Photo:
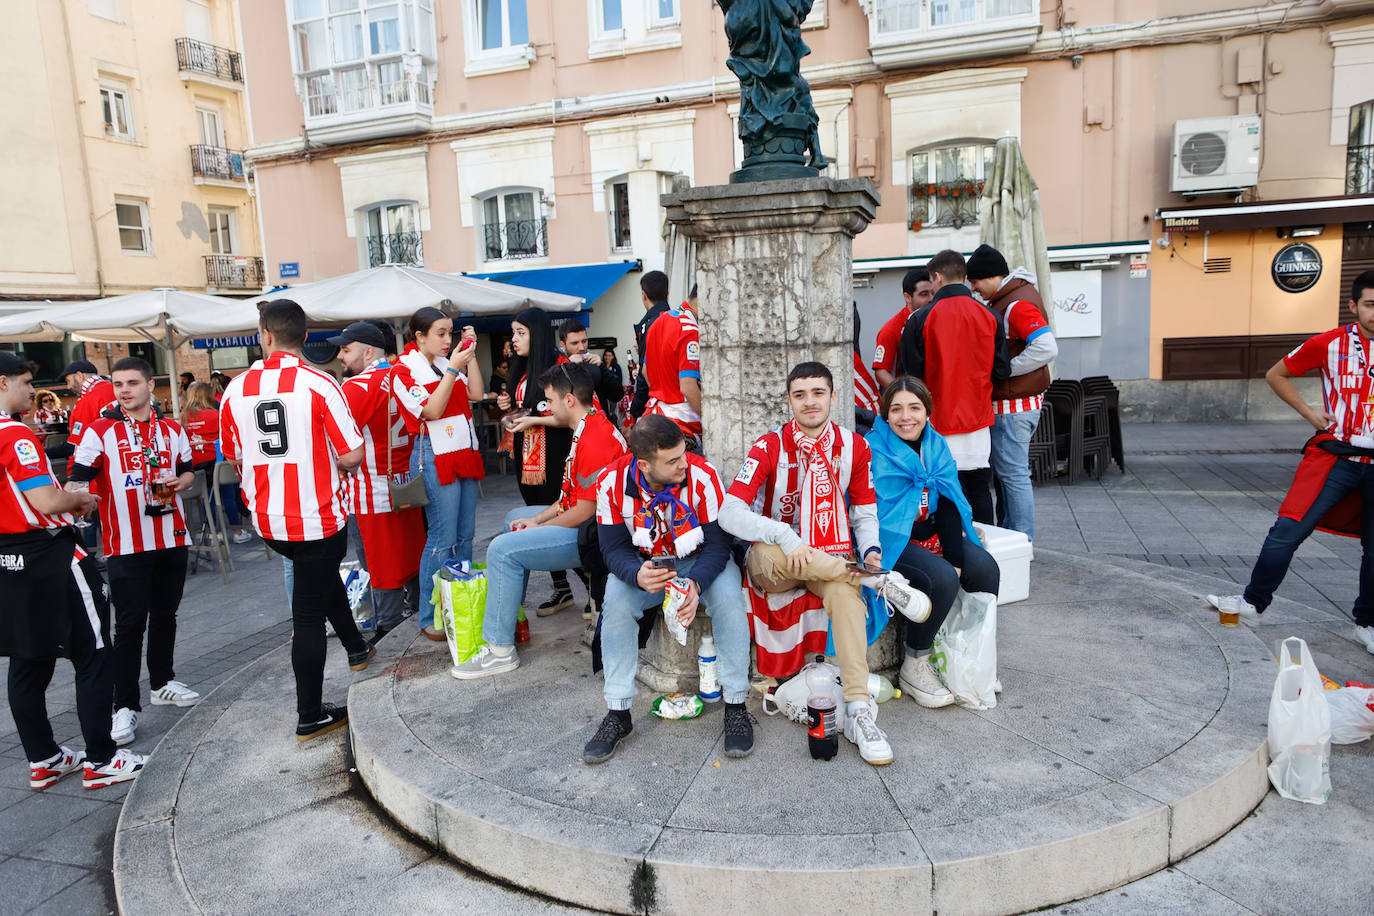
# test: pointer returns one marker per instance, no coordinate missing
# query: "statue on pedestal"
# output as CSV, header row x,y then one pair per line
x,y
777,121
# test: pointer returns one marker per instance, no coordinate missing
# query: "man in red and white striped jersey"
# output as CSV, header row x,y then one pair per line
x,y
393,539
289,425
137,463
54,603
1333,487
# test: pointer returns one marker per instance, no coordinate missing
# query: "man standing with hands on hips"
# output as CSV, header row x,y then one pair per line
x,y
54,603
138,463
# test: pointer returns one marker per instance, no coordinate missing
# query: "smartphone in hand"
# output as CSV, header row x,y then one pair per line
x,y
664,563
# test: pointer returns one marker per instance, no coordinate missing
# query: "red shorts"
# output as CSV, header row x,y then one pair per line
x,y
392,543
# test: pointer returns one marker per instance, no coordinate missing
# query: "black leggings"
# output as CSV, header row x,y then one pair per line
x,y
977,486
936,577
317,594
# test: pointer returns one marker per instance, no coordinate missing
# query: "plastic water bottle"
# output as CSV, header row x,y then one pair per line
x,y
822,733
881,689
708,684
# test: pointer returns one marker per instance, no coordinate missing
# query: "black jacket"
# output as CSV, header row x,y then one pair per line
x,y
641,398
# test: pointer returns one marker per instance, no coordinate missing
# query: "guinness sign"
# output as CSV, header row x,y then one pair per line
x,y
1296,268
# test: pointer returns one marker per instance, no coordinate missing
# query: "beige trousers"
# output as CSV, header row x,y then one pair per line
x,y
828,578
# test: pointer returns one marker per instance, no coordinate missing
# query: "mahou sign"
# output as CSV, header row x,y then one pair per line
x,y
1296,267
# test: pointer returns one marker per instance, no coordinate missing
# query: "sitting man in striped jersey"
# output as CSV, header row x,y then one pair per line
x,y
805,500
661,502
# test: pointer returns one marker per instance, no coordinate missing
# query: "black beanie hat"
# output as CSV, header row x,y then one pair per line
x,y
985,262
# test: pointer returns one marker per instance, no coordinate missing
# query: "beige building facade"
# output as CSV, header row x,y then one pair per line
x,y
126,123
494,136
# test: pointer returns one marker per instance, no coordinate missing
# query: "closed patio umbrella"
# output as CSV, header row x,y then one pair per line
x,y
1010,216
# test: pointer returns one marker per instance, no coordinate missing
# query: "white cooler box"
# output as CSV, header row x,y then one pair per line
x,y
1012,551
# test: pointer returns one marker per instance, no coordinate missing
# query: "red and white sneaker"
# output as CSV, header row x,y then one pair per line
x,y
46,772
123,766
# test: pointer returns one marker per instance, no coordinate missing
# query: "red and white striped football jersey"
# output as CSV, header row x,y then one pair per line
x,y
381,423
769,480
619,500
119,456
287,423
866,394
1346,361
23,467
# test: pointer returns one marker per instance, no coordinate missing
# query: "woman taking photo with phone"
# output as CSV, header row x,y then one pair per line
x,y
925,525
434,383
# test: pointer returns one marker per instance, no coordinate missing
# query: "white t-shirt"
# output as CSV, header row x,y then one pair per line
x,y
971,450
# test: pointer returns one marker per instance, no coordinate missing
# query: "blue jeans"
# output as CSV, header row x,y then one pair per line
x,y
626,603
1011,436
1286,534
452,519
510,557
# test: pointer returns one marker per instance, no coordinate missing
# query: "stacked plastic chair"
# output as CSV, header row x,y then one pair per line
x,y
1097,440
1102,385
1043,463
1064,399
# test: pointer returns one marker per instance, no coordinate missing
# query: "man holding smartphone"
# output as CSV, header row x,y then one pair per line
x,y
656,512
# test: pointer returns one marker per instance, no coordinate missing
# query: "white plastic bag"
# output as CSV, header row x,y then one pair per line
x,y
1352,719
1299,727
965,650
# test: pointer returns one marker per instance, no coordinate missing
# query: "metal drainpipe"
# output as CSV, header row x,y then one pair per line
x,y
81,147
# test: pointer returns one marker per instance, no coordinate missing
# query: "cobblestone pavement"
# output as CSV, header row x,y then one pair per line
x,y
1195,496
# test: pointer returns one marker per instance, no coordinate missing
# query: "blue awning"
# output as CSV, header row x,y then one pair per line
x,y
590,281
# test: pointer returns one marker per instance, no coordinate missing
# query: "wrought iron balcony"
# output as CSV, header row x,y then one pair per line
x,y
398,248
209,60
515,239
1359,169
951,204
217,162
233,271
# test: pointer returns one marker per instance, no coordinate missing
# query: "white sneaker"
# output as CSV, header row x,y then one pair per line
x,y
242,537
1235,604
897,591
861,727
122,725
920,681
1366,637
123,766
487,662
46,772
175,693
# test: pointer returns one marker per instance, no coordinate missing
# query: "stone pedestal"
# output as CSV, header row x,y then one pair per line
x,y
775,287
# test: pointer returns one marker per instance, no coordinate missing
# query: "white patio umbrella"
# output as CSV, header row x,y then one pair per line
x,y
166,317
395,291
1010,216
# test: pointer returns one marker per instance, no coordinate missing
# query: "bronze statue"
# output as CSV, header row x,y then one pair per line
x,y
777,121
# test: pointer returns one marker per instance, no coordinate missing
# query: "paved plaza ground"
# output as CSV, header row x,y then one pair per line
x,y
1197,498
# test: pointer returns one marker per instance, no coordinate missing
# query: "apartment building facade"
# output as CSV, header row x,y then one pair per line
x,y
504,136
125,166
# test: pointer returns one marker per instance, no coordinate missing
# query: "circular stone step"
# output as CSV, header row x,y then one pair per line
x,y
1131,733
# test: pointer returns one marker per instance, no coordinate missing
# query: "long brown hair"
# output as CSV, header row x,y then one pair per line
x,y
199,396
904,383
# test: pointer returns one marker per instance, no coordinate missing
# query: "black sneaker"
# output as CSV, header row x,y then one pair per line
x,y
601,748
357,661
333,717
561,598
739,731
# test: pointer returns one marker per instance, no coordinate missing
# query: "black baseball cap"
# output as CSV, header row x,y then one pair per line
x,y
12,363
363,332
80,365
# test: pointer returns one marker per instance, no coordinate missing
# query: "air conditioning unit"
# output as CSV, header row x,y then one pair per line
x,y
1212,155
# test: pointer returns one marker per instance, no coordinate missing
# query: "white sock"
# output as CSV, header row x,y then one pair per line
x,y
853,707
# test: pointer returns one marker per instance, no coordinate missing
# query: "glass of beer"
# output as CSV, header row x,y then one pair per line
x,y
164,487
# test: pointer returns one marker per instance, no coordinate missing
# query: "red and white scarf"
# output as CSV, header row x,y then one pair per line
x,y
824,518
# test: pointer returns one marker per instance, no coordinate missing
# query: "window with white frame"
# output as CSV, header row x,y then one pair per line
x,y
131,216
513,225
353,55
391,234
223,230
116,111
631,21
663,12
500,24
618,212
1359,150
946,182
893,16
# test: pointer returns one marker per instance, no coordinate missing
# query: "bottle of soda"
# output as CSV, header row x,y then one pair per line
x,y
822,736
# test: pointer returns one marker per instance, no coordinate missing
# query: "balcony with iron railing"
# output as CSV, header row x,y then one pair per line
x,y
1359,169
515,239
382,99
941,205
217,165
397,248
200,60
233,271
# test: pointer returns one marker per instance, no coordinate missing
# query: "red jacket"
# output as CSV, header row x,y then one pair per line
x,y
959,348
1317,461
